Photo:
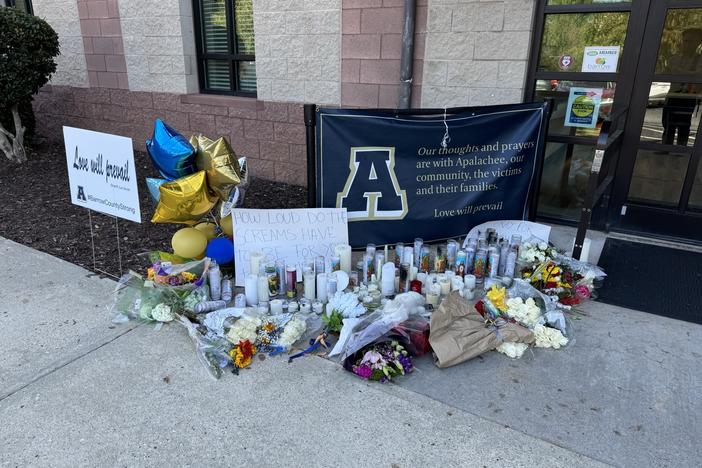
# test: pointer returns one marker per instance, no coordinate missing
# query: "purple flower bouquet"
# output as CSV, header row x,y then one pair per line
x,y
381,361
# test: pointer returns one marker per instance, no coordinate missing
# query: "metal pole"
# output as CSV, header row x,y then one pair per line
x,y
407,54
310,121
534,202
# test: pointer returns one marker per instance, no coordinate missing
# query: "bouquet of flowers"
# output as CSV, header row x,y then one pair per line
x,y
532,252
242,354
382,362
341,306
183,277
558,280
268,334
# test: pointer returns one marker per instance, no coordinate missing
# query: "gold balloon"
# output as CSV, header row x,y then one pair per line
x,y
189,243
208,229
227,226
220,163
184,201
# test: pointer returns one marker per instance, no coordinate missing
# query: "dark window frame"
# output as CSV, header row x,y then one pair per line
x,y
231,56
623,89
28,7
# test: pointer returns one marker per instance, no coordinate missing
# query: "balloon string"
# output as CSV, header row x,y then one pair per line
x,y
447,138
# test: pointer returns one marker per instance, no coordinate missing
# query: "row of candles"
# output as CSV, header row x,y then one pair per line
x,y
385,273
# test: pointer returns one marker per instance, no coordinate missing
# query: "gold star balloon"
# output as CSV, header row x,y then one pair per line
x,y
218,160
184,201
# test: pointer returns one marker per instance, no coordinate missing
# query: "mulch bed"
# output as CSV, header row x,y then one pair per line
x,y
36,211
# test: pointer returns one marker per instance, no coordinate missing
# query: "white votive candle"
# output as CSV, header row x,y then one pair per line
x,y
262,283
469,281
251,289
432,298
256,258
310,285
445,285
276,306
322,287
344,253
387,281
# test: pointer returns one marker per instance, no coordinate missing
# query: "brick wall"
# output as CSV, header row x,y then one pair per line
x,y
297,50
270,134
62,15
476,52
102,42
370,52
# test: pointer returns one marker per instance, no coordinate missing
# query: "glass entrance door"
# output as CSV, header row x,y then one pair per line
x,y
659,179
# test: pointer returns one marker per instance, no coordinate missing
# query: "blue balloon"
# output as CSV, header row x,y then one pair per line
x,y
220,250
153,185
171,153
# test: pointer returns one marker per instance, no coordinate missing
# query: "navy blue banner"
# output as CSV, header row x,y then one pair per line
x,y
429,176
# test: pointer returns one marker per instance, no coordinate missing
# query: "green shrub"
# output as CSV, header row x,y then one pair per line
x,y
28,46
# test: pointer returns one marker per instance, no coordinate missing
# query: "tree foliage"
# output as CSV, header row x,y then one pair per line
x,y
28,46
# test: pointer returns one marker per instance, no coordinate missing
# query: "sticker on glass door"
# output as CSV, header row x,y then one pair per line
x,y
598,59
583,107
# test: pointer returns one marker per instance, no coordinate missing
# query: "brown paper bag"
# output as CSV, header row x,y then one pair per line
x,y
459,333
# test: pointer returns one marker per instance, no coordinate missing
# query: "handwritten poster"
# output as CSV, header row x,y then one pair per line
x,y
291,235
101,172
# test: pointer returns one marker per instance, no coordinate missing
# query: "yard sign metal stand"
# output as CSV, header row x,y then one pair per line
x,y
92,244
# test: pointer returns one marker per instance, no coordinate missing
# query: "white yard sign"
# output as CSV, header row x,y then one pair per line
x,y
101,172
291,235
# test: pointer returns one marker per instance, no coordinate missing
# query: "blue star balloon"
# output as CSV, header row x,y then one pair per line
x,y
153,185
170,152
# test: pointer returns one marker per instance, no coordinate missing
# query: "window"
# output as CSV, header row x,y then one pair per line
x,y
24,5
225,46
564,29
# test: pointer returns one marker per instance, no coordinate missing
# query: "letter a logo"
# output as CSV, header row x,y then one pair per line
x,y
372,191
81,194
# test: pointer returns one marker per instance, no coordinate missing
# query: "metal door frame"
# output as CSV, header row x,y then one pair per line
x,y
624,78
658,220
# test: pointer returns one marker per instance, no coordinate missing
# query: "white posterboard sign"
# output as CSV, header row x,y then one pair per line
x,y
101,172
598,59
507,228
291,235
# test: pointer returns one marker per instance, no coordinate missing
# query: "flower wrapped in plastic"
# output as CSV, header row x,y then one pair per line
x,y
380,362
167,285
536,251
361,331
342,306
213,354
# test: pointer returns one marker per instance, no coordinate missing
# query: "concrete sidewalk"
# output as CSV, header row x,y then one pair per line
x,y
77,391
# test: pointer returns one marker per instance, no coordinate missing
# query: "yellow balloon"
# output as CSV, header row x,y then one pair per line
x,y
208,229
226,225
185,200
189,243
219,161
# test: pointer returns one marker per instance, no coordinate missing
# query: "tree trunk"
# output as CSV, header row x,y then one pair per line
x,y
13,145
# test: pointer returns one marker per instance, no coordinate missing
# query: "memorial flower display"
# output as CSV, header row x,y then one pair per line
x,y
382,362
531,252
375,318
